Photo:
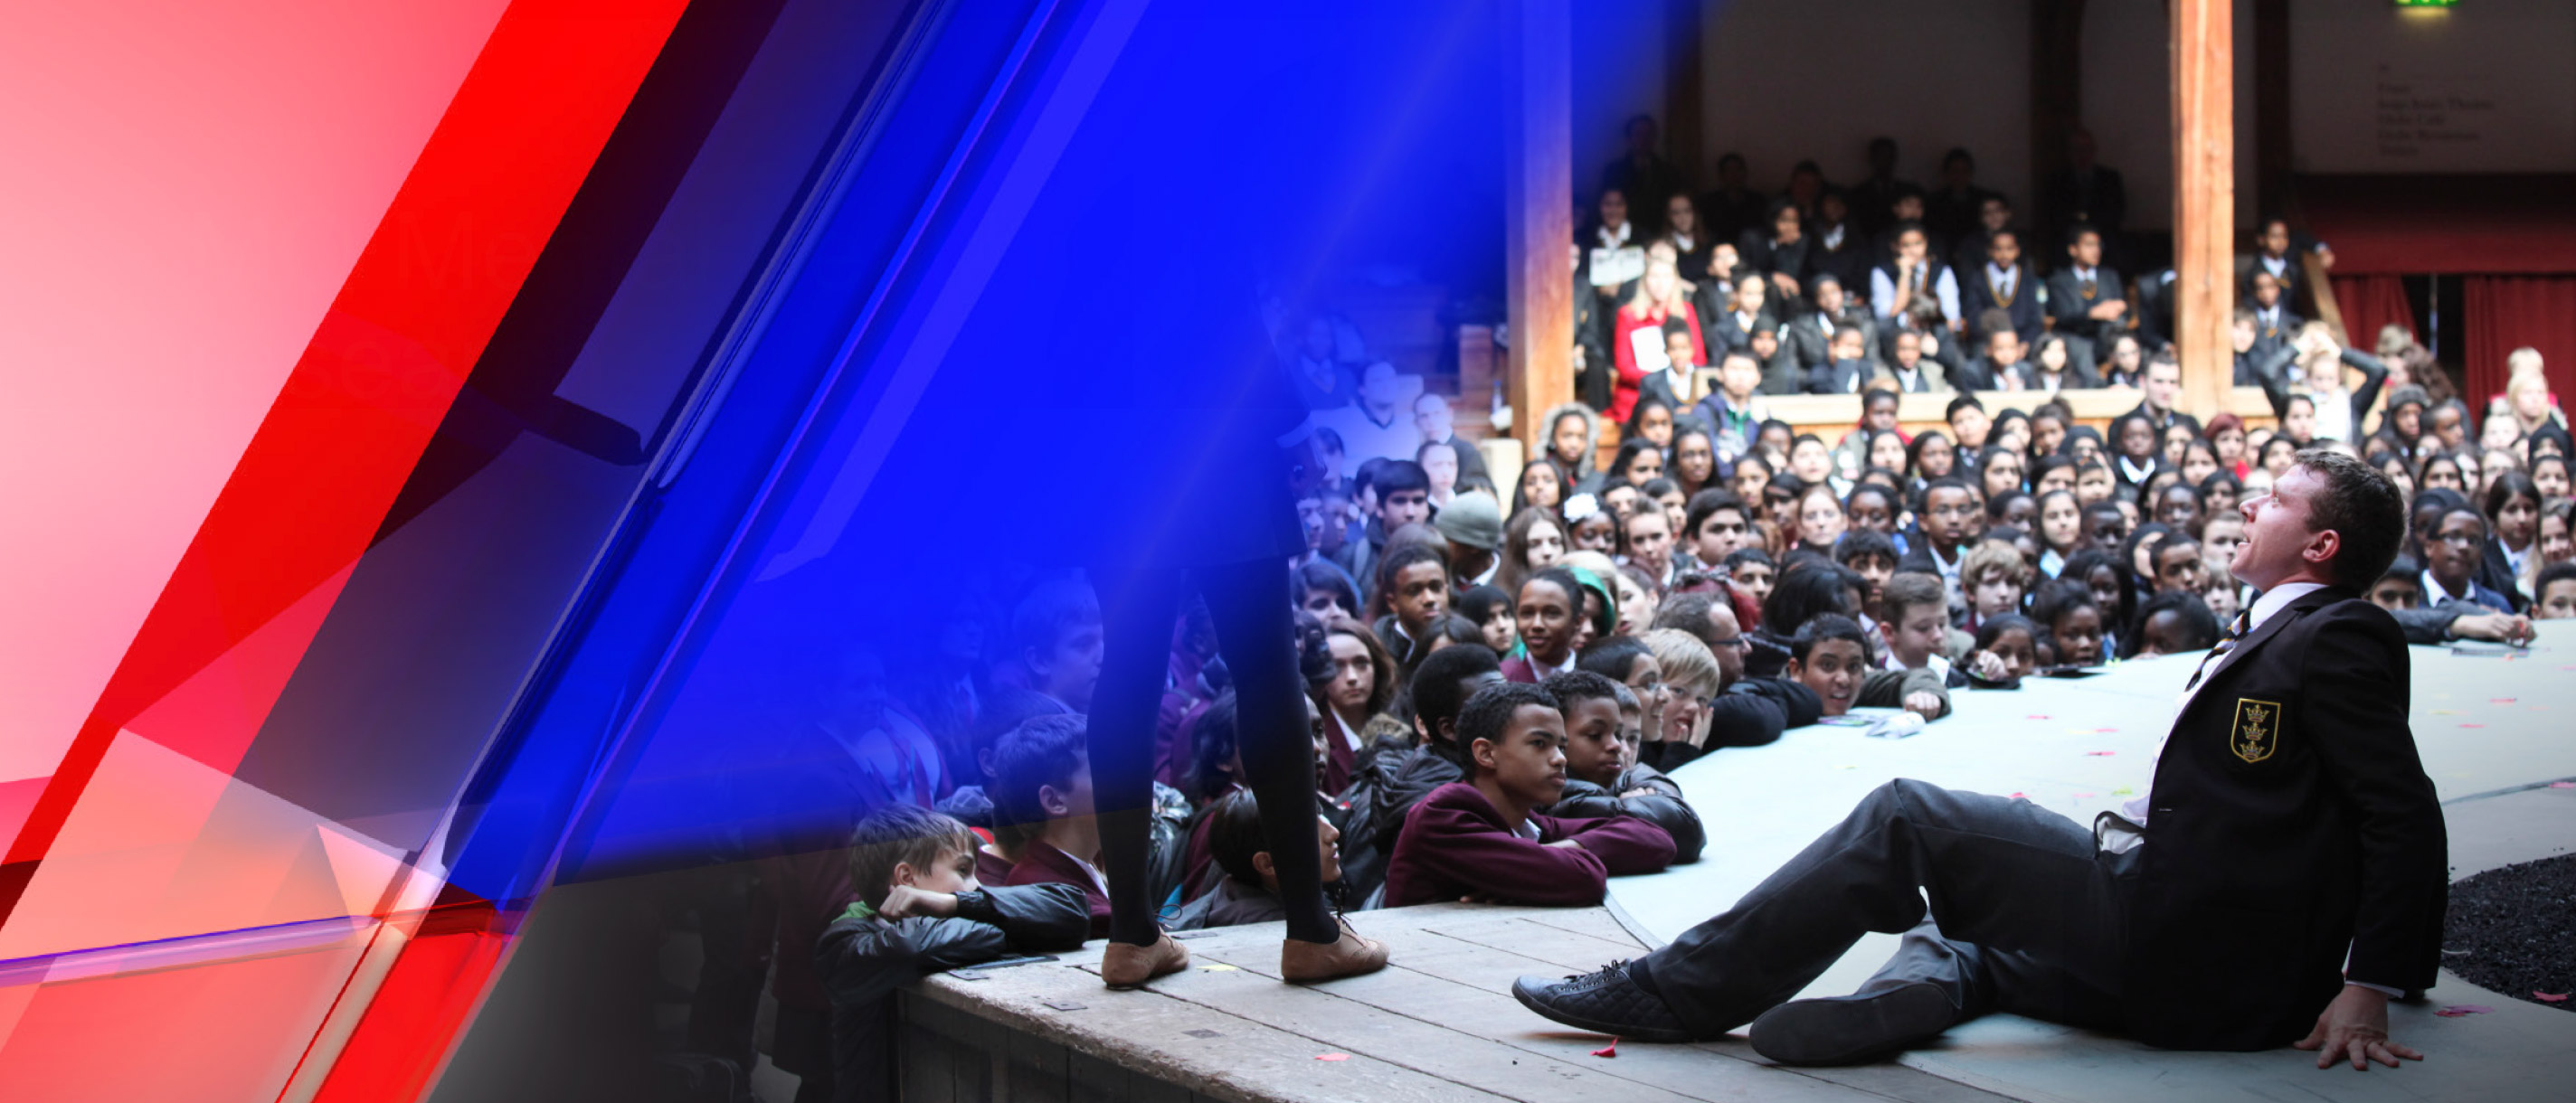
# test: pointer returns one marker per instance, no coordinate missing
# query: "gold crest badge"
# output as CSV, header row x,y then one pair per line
x,y
2258,729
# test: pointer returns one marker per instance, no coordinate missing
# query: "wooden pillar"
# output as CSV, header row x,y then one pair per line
x,y
2204,199
1685,143
1538,212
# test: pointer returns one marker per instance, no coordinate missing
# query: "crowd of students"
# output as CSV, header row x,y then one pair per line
x,y
1502,677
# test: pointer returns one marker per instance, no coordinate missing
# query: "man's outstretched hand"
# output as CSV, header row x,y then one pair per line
x,y
2355,1025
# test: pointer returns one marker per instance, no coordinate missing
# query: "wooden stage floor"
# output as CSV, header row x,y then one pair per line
x,y
1438,1024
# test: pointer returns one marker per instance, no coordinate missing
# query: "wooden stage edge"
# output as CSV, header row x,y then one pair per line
x,y
1438,1024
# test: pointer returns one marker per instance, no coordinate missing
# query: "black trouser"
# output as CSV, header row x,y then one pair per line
x,y
2026,915
1256,634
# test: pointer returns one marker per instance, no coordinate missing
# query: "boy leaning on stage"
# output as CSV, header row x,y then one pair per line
x,y
921,912
1479,838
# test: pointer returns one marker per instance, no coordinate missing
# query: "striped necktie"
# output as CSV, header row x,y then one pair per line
x,y
2236,630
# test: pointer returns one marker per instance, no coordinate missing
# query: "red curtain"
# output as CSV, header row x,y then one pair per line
x,y
2508,312
2369,302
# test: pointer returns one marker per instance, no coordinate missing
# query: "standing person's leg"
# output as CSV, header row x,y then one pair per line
x,y
2003,874
1257,635
1136,609
1250,605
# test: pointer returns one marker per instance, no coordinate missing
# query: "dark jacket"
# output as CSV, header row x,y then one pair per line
x,y
1976,298
1664,807
2068,306
862,960
1454,844
2266,365
1396,779
2290,823
1230,904
1840,377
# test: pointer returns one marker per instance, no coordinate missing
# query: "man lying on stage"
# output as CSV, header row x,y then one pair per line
x,y
2289,824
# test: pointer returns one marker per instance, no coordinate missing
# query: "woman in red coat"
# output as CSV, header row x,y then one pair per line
x,y
1658,298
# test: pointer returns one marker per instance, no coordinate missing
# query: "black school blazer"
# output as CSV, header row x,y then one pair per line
x,y
2291,821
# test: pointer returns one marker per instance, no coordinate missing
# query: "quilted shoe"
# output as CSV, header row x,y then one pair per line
x,y
1607,1001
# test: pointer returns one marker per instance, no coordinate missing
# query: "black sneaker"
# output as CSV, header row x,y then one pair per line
x,y
1853,1030
1605,1002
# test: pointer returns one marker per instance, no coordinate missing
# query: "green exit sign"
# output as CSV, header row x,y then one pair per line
x,y
2428,3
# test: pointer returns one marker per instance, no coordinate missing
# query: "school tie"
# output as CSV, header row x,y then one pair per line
x,y
2236,630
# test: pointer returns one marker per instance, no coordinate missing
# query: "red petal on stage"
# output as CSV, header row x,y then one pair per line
x,y
1612,1050
1332,1057
2549,997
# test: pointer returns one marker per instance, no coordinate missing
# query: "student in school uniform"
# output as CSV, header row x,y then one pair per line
x,y
920,910
1042,779
2086,300
1249,891
1397,778
1603,776
1482,838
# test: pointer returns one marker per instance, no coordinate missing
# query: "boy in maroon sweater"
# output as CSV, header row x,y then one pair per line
x,y
1479,840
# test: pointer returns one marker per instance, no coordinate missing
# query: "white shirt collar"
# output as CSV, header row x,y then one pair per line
x,y
2434,593
1528,829
1348,736
2278,598
2083,274
2001,275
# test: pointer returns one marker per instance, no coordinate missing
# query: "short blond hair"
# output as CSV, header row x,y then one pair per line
x,y
2522,361
1685,660
1993,557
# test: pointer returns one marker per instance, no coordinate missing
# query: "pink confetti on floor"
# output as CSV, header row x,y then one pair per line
x,y
2563,785
1612,1050
2034,716
2458,1009
2083,796
2099,754
1332,1057
2500,700
2018,796
2472,725
2548,997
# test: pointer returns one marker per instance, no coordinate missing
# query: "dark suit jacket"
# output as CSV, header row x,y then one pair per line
x,y
1723,332
1849,264
1975,298
1975,375
1654,385
2067,305
1840,377
2291,277
2266,366
2283,327
2290,822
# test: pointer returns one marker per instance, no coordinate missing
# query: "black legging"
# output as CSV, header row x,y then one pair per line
x,y
1255,633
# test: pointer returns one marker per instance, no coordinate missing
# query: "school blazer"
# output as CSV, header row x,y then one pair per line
x,y
2290,822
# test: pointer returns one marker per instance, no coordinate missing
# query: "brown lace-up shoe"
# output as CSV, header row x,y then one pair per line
x,y
1302,962
1125,965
